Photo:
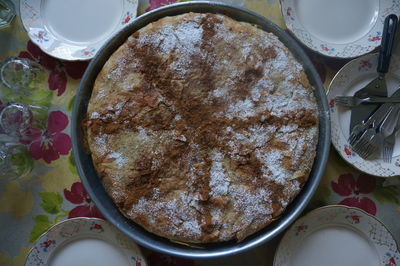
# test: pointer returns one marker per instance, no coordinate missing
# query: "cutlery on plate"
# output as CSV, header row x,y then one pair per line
x,y
372,121
388,143
351,101
377,87
370,142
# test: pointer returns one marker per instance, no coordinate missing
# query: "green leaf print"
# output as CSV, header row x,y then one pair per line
x,y
387,194
51,202
70,104
37,97
22,161
42,223
71,163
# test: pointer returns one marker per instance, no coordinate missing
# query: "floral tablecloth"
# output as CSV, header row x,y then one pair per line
x,y
53,192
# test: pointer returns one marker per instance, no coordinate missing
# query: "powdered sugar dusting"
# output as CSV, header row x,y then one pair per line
x,y
272,168
143,133
95,115
185,38
119,159
219,182
257,135
174,211
242,109
251,204
251,87
277,90
101,144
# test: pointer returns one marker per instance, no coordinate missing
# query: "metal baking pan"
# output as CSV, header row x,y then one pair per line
x,y
103,201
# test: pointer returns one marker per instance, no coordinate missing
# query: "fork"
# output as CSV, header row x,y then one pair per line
x,y
371,141
388,143
372,122
351,101
366,144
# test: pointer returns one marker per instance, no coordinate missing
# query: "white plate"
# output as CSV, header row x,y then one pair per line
x,y
74,29
337,235
84,241
350,78
339,28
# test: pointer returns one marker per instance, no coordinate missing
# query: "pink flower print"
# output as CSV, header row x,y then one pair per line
x,y
154,4
51,142
47,244
137,261
78,195
41,36
376,37
301,229
88,52
332,103
96,227
353,219
347,150
326,48
127,18
364,65
289,13
348,187
58,69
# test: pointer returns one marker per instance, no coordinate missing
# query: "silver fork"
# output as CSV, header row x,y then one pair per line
x,y
365,145
371,141
388,143
372,122
351,101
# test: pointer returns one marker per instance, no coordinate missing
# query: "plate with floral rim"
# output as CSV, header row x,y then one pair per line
x,y
88,241
358,31
350,78
339,234
74,29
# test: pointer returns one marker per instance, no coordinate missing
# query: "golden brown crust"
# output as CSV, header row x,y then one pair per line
x,y
202,128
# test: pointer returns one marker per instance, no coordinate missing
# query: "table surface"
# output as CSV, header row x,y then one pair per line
x,y
53,191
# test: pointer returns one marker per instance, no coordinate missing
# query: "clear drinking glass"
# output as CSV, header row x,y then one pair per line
x,y
7,13
20,120
15,161
21,75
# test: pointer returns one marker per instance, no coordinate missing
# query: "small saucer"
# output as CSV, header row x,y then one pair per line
x,y
74,29
350,78
340,28
84,241
340,235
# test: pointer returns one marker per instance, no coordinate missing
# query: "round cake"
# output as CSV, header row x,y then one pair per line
x,y
202,128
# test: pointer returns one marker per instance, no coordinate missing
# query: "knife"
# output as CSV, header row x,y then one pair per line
x,y
377,87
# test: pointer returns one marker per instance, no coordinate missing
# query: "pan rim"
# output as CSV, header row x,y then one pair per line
x,y
101,199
